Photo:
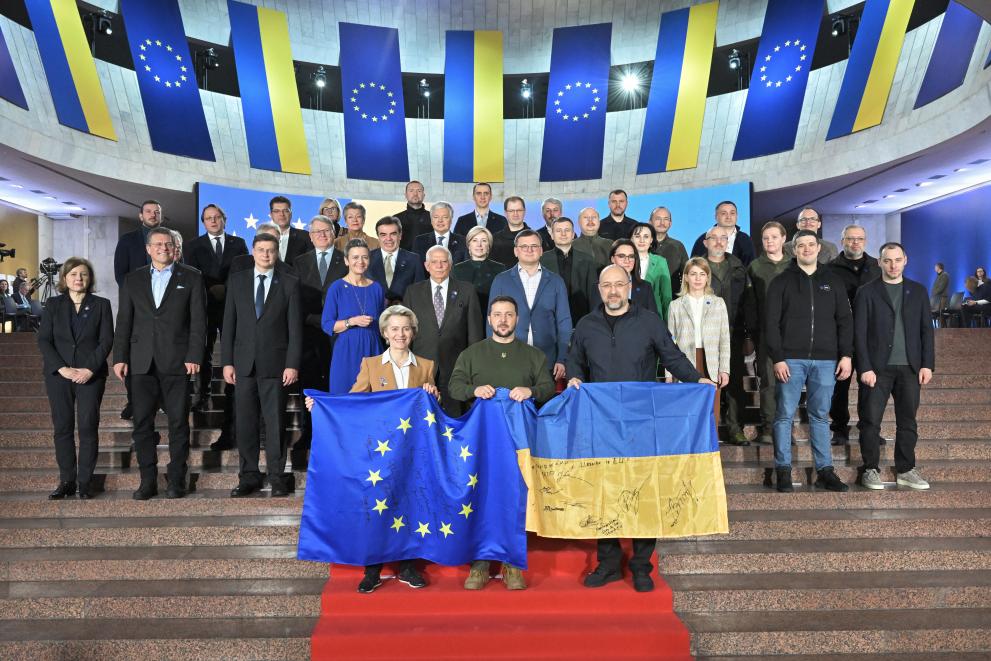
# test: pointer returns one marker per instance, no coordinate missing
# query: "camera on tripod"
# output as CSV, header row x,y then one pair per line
x,y
6,253
49,270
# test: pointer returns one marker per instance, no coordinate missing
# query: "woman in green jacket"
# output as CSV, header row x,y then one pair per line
x,y
653,268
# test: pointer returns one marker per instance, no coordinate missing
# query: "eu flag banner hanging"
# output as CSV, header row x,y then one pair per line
x,y
273,121
473,121
391,477
10,86
626,460
575,120
374,117
779,78
871,67
166,78
952,53
673,126
69,67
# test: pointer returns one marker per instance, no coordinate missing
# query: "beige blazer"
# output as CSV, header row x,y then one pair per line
x,y
375,376
715,332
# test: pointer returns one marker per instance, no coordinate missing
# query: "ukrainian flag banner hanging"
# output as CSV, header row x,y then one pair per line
x,y
626,460
273,121
166,78
871,67
10,86
391,477
575,118
952,53
473,121
69,67
673,127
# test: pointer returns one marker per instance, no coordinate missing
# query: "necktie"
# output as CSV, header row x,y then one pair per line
x,y
388,270
439,306
260,297
218,249
323,266
440,240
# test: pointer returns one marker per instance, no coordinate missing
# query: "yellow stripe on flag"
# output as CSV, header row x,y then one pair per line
x,y
488,131
83,69
686,133
889,48
286,114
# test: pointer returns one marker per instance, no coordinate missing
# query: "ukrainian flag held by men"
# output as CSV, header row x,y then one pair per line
x,y
673,127
273,121
952,53
69,67
473,120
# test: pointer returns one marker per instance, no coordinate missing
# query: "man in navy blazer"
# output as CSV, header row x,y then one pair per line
x,y
743,247
405,267
481,214
542,297
292,241
441,214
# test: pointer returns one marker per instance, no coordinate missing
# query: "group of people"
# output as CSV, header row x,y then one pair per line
x,y
976,307
15,302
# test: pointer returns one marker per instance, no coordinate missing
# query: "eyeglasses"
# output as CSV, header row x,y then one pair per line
x,y
718,239
808,220
624,256
855,239
321,232
528,246
327,210
168,246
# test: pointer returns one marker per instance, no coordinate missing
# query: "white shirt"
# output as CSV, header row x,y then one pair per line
x,y
695,306
159,282
213,241
284,242
481,220
730,240
644,263
330,255
387,255
443,290
530,285
268,282
447,239
400,372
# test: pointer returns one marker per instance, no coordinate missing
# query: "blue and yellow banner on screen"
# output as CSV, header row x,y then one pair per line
x,y
166,78
952,53
473,121
69,67
871,67
575,120
374,117
673,126
273,121
10,86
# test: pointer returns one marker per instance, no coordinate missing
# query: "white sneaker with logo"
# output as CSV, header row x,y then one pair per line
x,y
912,480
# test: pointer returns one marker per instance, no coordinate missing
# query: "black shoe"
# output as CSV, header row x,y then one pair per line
x,y
279,489
884,441
201,405
601,576
299,459
783,475
84,491
829,481
127,413
369,582
642,582
62,490
175,491
411,577
225,442
145,491
242,490
840,438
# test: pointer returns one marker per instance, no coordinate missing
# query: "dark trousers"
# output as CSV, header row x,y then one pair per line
x,y
265,395
734,397
171,390
970,313
768,384
314,373
67,400
901,382
839,409
205,377
610,554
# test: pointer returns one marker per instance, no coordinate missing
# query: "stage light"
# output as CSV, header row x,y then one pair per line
x,y
208,58
320,77
526,90
104,23
734,59
839,25
630,83
424,88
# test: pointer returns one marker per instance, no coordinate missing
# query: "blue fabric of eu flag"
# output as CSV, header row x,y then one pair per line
x,y
10,87
392,477
166,78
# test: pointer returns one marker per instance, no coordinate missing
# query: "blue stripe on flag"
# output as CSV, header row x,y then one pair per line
x,y
459,106
68,107
664,84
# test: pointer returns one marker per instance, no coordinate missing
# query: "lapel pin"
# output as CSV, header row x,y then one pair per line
x,y
383,381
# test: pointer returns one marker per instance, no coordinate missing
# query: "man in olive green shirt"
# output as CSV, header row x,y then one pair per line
x,y
590,242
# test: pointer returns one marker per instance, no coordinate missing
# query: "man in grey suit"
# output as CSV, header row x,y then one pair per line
x,y
939,295
450,320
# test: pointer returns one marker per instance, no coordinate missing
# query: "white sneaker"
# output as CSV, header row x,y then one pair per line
x,y
871,479
912,480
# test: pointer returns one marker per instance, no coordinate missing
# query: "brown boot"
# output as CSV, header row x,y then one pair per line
x,y
478,576
513,577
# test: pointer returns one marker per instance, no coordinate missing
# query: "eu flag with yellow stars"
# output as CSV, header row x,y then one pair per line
x,y
392,477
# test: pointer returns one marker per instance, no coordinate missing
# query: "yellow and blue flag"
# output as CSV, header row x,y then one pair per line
x,y
10,86
374,118
779,78
952,53
273,121
166,78
392,477
473,121
673,127
69,67
871,67
575,119
626,460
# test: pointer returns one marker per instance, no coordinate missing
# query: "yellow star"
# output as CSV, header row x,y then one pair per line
x,y
446,529
373,477
464,452
158,42
404,424
430,414
383,447
448,433
466,510
472,480
424,529
397,523
380,506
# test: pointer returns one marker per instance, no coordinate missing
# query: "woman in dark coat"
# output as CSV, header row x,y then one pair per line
x,y
478,269
624,253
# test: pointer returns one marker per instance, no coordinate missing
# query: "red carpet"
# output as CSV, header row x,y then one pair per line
x,y
555,618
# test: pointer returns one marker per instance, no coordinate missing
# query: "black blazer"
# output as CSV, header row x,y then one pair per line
x,y
199,253
262,346
743,249
874,321
456,242
172,334
462,323
299,242
494,223
130,255
407,270
312,292
90,350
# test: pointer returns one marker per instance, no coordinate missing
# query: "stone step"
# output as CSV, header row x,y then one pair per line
x,y
945,470
954,494
36,388
851,524
948,429
925,449
111,420
112,436
125,479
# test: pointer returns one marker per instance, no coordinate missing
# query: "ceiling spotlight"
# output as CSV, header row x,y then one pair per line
x,y
923,184
424,88
630,83
839,24
526,90
104,23
960,170
208,59
889,196
734,59
320,77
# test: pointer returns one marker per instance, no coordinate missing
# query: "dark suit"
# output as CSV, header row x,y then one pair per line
x,y
155,343
83,341
493,223
743,248
583,284
414,222
612,230
299,242
406,269
260,349
546,240
461,327
455,243
503,246
130,254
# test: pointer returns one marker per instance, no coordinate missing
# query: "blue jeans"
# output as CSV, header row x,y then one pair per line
x,y
818,376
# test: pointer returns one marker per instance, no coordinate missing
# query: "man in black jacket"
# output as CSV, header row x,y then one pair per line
x,y
809,331
739,243
292,241
415,218
622,342
895,356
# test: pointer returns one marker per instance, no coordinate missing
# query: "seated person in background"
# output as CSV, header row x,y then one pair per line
x,y
979,273
979,301
22,301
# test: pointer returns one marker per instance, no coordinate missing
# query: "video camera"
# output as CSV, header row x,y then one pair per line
x,y
49,266
6,253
